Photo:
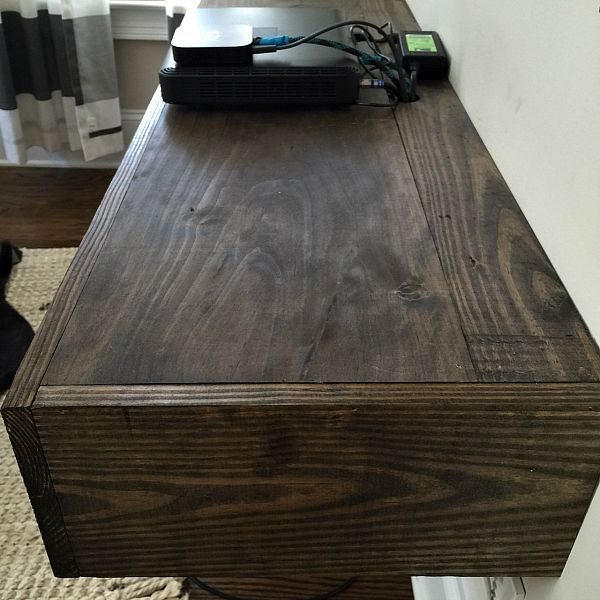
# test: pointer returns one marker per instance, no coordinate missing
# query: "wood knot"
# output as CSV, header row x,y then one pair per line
x,y
551,295
411,291
474,262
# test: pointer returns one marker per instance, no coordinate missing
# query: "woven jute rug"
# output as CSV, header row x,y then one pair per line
x,y
24,570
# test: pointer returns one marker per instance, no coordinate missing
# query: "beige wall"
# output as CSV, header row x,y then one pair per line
x,y
138,63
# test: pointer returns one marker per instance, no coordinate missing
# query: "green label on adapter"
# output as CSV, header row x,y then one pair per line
x,y
418,42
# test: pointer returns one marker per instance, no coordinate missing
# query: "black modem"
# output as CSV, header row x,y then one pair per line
x,y
212,62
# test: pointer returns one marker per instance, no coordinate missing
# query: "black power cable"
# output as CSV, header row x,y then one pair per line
x,y
339,25
373,45
219,594
404,88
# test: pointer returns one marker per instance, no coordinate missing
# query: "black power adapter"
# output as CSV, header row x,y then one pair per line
x,y
424,53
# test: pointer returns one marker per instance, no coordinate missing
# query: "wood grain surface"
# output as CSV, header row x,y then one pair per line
x,y
277,246
36,476
16,407
266,252
456,479
304,588
520,322
291,246
49,207
40,352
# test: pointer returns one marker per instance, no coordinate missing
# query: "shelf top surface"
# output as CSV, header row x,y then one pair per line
x,y
317,245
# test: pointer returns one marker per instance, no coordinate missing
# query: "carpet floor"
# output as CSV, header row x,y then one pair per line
x,y
24,570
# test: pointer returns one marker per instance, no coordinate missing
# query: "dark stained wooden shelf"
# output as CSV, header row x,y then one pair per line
x,y
49,207
320,342
302,588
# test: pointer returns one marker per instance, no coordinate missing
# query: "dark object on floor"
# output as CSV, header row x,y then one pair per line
x,y
15,332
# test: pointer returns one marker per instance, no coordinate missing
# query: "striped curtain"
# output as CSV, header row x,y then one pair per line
x,y
58,84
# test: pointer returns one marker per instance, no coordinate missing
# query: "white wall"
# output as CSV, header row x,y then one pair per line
x,y
528,73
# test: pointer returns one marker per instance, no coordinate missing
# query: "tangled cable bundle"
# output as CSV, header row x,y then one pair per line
x,y
400,85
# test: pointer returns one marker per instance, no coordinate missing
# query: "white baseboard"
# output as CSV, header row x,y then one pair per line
x,y
138,20
451,588
63,164
468,588
74,160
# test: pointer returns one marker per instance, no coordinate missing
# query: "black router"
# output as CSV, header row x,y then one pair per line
x,y
212,60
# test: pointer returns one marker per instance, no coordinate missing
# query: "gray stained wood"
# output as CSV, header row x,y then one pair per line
x,y
303,588
38,481
311,341
35,363
309,246
519,321
49,207
351,479
16,410
278,246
